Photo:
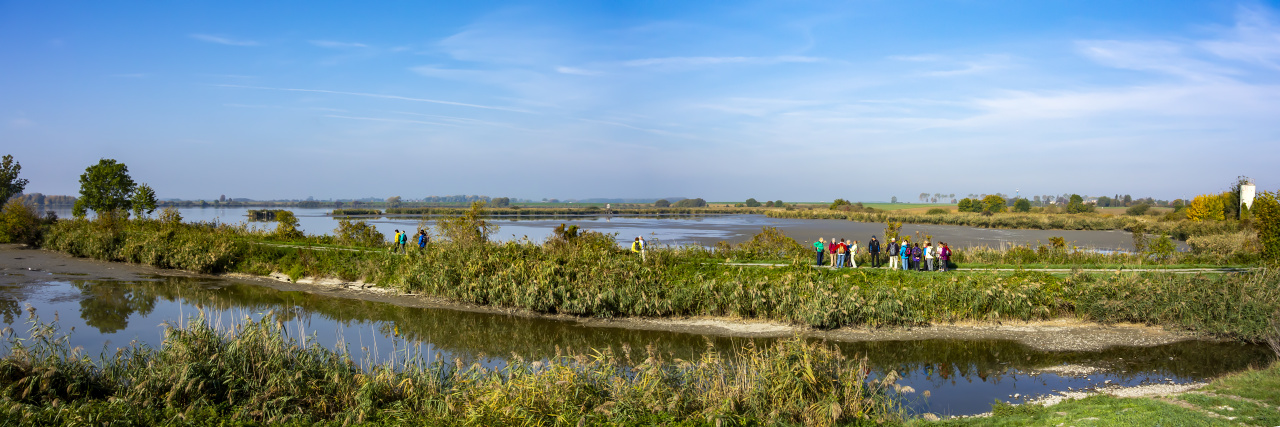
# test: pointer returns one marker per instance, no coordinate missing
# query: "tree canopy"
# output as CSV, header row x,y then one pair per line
x,y
104,187
10,184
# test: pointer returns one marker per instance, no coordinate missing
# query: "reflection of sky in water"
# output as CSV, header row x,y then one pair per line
x,y
96,333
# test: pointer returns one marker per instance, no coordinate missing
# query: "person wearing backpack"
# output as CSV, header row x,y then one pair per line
x,y
915,256
905,253
404,238
422,239
842,253
893,253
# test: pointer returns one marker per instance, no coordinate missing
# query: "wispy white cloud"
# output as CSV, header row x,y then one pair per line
x,y
380,119
644,129
463,120
383,96
223,40
1158,56
1254,39
577,71
693,61
916,58
336,45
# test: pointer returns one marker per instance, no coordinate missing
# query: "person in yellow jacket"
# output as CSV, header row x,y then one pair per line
x,y
638,247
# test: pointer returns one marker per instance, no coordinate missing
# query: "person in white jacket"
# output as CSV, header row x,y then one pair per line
x,y
853,251
928,256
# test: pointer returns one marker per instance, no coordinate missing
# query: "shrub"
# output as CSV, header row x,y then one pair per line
x,y
936,211
287,225
358,233
1266,214
1226,246
19,223
662,203
1022,205
1137,210
691,203
993,203
468,228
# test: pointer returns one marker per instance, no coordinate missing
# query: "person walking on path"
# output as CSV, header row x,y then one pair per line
x,y
842,252
395,241
404,239
944,257
873,248
893,253
422,239
819,247
928,256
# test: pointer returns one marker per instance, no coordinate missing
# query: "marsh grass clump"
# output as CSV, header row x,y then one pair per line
x,y
256,373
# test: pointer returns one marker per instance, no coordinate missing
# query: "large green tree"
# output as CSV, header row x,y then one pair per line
x,y
105,188
10,184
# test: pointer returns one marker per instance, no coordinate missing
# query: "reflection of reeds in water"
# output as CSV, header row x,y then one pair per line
x,y
255,372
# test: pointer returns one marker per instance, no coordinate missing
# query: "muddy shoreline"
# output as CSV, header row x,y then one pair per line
x,y
21,265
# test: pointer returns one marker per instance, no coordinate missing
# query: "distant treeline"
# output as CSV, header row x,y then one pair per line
x,y
43,202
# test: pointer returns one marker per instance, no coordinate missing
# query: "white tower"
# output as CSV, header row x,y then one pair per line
x,y
1247,192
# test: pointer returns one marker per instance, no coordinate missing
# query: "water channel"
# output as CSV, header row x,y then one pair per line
x,y
104,306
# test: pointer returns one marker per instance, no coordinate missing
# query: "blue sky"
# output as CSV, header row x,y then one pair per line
x,y
792,100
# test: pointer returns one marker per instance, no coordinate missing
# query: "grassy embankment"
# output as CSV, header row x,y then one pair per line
x,y
258,373
588,275
1250,398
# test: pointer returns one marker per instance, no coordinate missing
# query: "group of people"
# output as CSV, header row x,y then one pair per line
x,y
637,246
401,239
905,256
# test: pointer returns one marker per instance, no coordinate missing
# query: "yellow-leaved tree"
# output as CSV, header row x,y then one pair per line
x,y
1206,207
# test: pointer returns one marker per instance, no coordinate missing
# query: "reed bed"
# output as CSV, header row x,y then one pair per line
x,y
590,275
1036,221
257,373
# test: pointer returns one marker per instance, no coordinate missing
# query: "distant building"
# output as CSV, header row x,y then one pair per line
x,y
1247,193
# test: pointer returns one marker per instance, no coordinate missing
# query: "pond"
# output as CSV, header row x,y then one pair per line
x,y
104,306
702,230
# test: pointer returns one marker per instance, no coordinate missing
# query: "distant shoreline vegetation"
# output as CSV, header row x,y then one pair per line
x,y
536,211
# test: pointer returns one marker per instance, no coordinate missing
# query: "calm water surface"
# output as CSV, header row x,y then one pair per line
x,y
963,376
